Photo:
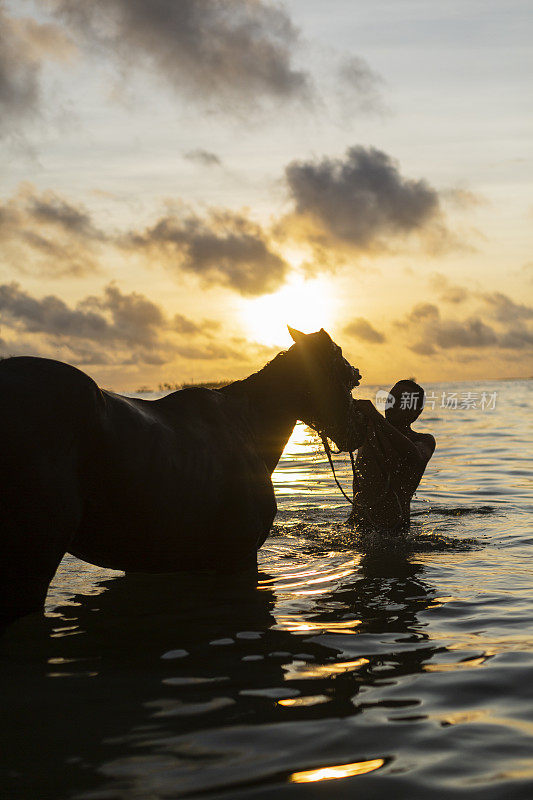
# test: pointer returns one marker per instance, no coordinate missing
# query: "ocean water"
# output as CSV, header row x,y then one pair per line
x,y
354,668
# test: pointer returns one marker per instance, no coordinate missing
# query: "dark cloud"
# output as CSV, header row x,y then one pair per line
x,y
47,234
222,50
472,332
204,157
183,325
517,337
423,348
111,328
360,201
226,249
432,333
130,320
206,327
134,318
51,209
24,46
423,312
502,308
360,328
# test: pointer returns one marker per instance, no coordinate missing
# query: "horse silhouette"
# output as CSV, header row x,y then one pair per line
x,y
179,483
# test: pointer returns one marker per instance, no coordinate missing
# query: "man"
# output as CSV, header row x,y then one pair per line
x,y
391,462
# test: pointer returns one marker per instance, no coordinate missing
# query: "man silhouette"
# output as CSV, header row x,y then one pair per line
x,y
391,462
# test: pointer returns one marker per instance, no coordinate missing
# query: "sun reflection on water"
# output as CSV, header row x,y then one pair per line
x,y
299,670
345,626
338,771
309,700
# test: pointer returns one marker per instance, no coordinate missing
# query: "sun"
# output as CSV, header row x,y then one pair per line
x,y
305,304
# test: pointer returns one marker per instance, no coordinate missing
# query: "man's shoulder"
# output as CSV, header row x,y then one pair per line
x,y
425,444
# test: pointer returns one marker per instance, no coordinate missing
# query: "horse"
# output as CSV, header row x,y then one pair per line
x,y
178,483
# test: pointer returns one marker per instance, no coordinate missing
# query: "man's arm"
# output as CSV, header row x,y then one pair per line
x,y
401,444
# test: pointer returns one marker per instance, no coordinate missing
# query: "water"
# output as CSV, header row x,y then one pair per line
x,y
356,668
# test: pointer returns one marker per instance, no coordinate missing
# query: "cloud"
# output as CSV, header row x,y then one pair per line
x,y
229,51
498,305
112,319
360,328
114,328
361,201
430,332
183,325
226,249
204,157
135,320
502,308
25,45
51,209
359,86
517,337
472,332
48,235
446,291
360,204
423,348
425,312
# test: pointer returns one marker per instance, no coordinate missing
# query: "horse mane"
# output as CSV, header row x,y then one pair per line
x,y
257,379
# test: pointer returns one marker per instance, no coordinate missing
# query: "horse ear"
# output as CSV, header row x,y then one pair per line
x,y
296,336
325,335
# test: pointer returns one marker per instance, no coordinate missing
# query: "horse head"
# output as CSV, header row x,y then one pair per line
x,y
323,385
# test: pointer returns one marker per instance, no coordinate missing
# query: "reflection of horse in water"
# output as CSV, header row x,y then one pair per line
x,y
112,691
179,483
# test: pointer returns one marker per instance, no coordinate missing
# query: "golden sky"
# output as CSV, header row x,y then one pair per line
x,y
182,179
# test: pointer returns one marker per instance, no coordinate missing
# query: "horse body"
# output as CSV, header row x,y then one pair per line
x,y
174,484
183,482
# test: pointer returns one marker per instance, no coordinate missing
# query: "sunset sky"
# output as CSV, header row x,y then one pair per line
x,y
180,178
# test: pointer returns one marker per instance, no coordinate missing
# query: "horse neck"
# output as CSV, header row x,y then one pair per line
x,y
271,407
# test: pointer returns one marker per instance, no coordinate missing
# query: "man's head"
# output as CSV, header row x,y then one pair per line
x,y
405,404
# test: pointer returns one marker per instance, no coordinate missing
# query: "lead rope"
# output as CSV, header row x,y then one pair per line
x,y
328,453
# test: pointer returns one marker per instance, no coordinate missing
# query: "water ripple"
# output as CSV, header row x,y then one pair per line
x,y
355,664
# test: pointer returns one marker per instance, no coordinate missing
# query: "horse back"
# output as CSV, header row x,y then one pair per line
x,y
47,409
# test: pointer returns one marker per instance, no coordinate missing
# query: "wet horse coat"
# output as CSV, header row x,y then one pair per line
x,y
183,482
